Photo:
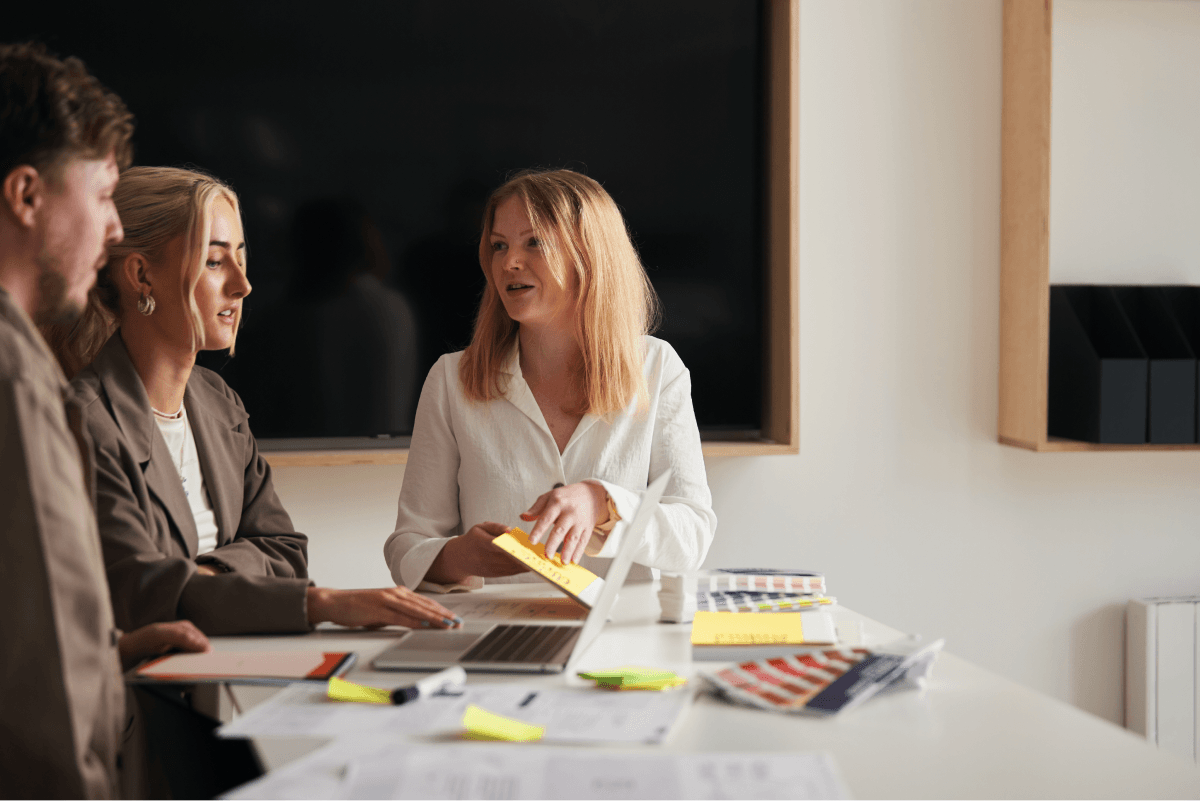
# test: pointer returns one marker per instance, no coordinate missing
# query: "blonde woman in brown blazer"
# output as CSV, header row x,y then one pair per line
x,y
175,287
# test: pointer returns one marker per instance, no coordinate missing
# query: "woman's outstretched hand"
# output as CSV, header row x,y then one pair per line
x,y
158,638
389,606
566,517
473,554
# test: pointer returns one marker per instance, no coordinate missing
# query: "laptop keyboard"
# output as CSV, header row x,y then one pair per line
x,y
520,644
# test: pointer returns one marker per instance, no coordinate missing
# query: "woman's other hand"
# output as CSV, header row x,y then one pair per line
x,y
473,554
158,638
389,606
566,517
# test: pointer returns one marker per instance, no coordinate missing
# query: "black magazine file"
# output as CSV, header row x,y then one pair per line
x,y
1171,402
1098,382
1183,304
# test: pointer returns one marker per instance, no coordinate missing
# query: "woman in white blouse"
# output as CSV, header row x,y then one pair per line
x,y
560,412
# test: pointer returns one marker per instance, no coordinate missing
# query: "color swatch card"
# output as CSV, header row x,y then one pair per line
x,y
577,582
823,682
785,683
760,579
747,601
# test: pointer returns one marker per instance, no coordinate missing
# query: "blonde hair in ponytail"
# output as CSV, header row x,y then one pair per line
x,y
583,233
156,205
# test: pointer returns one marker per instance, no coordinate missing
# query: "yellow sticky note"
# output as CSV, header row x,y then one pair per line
x,y
479,724
342,690
578,582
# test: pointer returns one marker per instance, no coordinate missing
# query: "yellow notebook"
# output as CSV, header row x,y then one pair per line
x,y
733,628
577,582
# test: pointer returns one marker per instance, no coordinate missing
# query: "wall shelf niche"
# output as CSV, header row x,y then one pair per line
x,y
1025,236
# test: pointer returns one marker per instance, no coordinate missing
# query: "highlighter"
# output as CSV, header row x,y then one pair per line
x,y
450,677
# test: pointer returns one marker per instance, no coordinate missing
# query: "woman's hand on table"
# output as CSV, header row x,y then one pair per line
x,y
473,554
158,638
566,517
388,606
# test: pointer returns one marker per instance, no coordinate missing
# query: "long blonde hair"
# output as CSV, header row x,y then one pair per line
x,y
583,233
156,205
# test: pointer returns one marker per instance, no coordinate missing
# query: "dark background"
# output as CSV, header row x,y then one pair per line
x,y
364,137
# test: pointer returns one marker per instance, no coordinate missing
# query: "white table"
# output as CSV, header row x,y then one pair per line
x,y
971,734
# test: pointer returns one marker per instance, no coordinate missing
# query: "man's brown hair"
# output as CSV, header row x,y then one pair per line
x,y
51,109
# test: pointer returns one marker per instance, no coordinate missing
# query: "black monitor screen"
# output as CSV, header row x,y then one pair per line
x,y
364,137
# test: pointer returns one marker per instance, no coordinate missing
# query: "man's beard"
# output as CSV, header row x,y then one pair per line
x,y
54,306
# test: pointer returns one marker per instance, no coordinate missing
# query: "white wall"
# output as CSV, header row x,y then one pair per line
x,y
900,493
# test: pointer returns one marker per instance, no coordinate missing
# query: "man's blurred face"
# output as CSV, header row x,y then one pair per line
x,y
79,222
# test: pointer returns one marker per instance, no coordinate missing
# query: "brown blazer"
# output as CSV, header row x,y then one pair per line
x,y
61,698
146,526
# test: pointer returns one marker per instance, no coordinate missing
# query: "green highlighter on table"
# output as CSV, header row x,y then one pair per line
x,y
527,648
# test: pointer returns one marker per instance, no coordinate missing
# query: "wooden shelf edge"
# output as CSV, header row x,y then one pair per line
x,y
1055,445
1019,443
714,450
279,459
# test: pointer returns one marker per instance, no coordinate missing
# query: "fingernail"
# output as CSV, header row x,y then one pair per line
x,y
458,619
425,623
448,621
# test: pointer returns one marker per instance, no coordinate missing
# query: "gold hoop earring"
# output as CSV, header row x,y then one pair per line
x,y
146,304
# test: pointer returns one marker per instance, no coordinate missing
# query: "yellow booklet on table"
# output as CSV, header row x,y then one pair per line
x,y
740,636
579,583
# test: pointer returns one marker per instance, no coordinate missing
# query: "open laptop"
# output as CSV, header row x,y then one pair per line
x,y
524,648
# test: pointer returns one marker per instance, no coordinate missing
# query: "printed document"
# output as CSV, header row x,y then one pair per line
x,y
574,715
393,768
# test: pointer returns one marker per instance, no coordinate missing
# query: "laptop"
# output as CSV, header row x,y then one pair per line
x,y
524,648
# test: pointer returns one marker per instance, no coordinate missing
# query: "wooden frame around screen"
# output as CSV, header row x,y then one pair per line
x,y
781,358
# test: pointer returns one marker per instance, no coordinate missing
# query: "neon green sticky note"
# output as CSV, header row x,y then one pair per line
x,y
342,690
659,685
628,675
479,724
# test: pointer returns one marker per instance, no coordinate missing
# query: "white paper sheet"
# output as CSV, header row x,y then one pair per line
x,y
582,715
391,768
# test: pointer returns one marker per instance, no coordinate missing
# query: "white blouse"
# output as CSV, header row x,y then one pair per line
x,y
472,462
181,444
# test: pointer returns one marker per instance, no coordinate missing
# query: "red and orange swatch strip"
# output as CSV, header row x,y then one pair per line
x,y
787,683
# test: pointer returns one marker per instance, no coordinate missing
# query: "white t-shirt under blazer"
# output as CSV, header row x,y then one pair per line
x,y
471,462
